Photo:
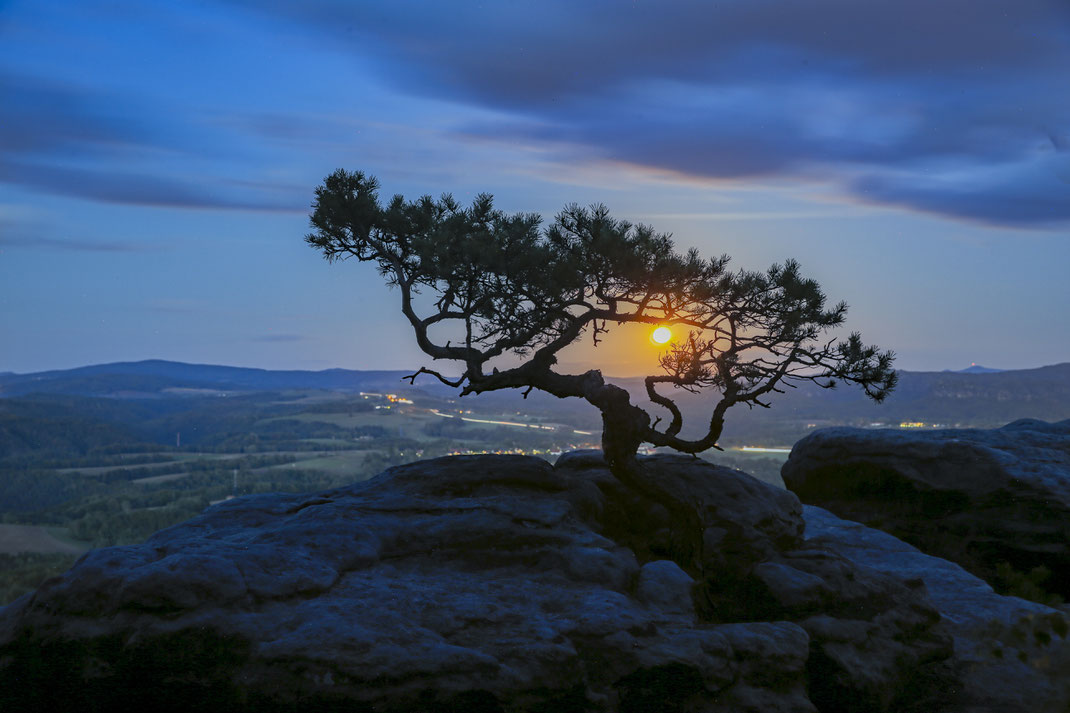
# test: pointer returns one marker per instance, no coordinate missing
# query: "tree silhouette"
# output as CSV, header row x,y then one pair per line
x,y
510,288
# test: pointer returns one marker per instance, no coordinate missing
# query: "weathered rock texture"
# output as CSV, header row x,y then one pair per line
x,y
991,500
1011,655
488,583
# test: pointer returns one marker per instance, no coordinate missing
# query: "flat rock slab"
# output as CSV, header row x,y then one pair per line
x,y
995,501
478,583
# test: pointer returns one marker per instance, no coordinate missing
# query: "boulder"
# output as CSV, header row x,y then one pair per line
x,y
1010,655
873,638
479,583
995,501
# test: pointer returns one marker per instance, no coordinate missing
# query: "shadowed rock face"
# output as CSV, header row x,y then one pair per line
x,y
479,583
1011,655
985,499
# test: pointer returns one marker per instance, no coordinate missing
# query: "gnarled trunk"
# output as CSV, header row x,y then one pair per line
x,y
623,426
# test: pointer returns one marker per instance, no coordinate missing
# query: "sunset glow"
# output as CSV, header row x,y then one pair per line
x,y
661,335
742,128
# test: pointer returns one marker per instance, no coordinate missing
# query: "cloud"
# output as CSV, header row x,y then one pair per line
x,y
39,116
66,140
76,245
16,233
128,188
868,95
530,52
1024,194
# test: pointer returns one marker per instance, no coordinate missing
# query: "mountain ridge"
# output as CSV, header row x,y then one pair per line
x,y
944,398
161,373
331,379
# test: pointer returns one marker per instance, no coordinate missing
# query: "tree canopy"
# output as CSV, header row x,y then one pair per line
x,y
511,287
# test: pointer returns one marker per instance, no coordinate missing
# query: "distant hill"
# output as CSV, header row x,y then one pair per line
x,y
970,399
973,399
146,379
977,369
993,398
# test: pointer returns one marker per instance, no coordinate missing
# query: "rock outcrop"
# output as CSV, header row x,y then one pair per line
x,y
485,583
1011,655
995,501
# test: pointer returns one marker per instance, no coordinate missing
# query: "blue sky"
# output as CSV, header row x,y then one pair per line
x,y
158,159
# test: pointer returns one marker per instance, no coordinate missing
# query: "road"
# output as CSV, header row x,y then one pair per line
x,y
515,424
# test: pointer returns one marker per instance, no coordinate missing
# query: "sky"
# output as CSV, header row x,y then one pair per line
x,y
158,161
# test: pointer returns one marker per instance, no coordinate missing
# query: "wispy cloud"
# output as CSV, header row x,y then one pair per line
x,y
116,186
32,234
75,245
65,139
49,117
751,215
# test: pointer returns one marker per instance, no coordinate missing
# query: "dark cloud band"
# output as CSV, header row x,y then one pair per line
x,y
822,89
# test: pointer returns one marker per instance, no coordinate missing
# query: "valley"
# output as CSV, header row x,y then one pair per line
x,y
107,455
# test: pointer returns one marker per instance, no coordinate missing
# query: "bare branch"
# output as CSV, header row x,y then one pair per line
x,y
424,370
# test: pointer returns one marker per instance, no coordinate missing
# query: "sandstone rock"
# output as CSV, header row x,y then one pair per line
x,y
985,499
663,584
876,641
484,583
1010,655
792,588
738,520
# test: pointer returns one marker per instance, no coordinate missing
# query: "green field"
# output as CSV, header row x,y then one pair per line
x,y
38,539
338,463
95,490
177,458
154,479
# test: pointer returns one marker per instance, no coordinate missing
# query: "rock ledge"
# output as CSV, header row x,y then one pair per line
x,y
480,583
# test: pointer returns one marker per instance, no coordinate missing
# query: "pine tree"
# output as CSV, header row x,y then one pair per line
x,y
509,287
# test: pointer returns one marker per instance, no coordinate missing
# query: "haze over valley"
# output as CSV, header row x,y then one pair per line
x,y
107,454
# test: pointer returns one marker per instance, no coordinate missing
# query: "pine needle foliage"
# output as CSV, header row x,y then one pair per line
x,y
503,285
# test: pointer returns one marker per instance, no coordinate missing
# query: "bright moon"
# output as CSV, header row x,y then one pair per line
x,y
661,335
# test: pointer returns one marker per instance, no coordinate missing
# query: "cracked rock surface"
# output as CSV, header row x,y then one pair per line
x,y
482,584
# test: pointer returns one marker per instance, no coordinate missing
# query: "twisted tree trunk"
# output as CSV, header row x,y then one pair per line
x,y
623,426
